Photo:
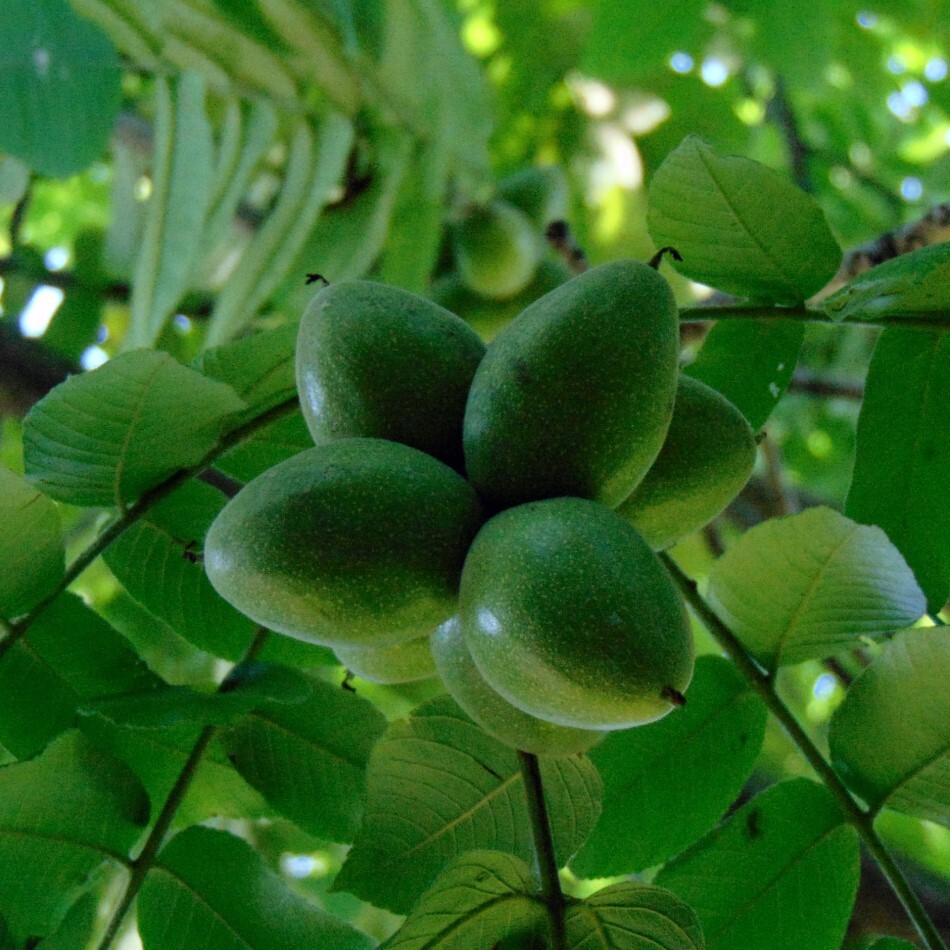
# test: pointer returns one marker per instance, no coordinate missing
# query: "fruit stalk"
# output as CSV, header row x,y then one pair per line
x,y
855,814
544,848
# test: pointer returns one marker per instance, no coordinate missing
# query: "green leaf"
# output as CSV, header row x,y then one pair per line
x,y
740,226
260,367
348,238
161,417
438,786
59,87
14,180
651,809
314,168
171,705
890,739
69,657
804,587
911,285
416,229
211,890
32,557
780,874
309,759
750,362
258,128
157,757
149,560
903,453
269,445
630,916
182,182
480,897
63,815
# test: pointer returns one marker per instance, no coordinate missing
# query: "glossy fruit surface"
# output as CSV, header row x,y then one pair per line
x,y
540,191
572,618
399,663
574,397
492,712
359,541
379,362
497,249
705,461
487,317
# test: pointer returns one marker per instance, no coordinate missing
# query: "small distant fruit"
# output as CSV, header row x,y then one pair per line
x,y
497,250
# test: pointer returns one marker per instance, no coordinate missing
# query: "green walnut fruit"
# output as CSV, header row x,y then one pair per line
x,y
574,397
356,542
540,191
487,317
493,713
399,663
378,362
497,250
571,617
705,461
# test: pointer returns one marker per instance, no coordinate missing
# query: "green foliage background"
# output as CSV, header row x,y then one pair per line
x,y
171,171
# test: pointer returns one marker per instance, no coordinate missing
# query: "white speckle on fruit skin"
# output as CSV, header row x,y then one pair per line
x,y
775,390
488,622
41,60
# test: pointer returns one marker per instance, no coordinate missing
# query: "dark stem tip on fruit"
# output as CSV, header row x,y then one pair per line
x,y
558,234
347,683
313,278
654,261
673,696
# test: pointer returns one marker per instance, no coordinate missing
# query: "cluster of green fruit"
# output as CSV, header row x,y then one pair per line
x,y
492,515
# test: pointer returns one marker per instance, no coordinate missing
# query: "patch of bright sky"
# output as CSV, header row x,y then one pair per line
x,y
935,69
911,188
56,258
714,71
866,19
681,62
93,357
39,310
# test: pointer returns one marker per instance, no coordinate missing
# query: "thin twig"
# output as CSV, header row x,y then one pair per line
x,y
141,865
921,321
544,848
860,818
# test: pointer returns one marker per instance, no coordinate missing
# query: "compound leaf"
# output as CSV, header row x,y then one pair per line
x,y
32,556
62,816
807,586
903,453
59,87
668,783
740,226
438,786
477,900
105,437
308,759
630,916
210,889
890,738
780,874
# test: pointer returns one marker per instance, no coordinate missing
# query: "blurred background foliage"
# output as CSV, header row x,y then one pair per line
x,y
440,104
